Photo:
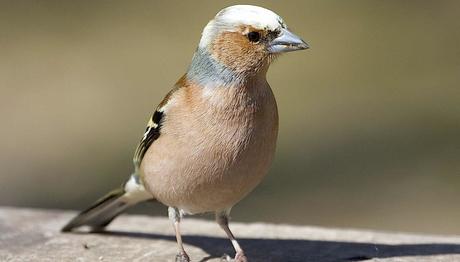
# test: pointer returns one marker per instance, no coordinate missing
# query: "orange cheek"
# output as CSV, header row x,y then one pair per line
x,y
235,51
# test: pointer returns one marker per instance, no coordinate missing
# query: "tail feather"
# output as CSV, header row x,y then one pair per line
x,y
101,213
104,210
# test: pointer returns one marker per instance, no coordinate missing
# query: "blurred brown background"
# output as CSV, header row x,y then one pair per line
x,y
370,115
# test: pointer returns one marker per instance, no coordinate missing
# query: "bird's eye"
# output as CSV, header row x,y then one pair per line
x,y
254,36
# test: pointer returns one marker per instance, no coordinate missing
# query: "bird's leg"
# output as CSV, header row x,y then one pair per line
x,y
222,219
175,217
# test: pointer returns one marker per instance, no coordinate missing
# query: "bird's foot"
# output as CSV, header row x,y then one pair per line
x,y
182,257
240,257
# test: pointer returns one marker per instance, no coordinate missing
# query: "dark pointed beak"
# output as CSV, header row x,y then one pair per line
x,y
287,42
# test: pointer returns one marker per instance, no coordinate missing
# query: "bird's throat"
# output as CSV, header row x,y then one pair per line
x,y
207,71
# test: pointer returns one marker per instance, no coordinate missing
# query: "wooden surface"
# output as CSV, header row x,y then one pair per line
x,y
33,235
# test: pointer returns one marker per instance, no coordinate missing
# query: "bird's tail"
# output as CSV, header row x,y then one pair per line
x,y
103,211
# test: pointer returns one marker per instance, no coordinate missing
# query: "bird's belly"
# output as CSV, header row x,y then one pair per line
x,y
211,171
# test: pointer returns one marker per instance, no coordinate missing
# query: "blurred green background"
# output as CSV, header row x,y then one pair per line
x,y
369,116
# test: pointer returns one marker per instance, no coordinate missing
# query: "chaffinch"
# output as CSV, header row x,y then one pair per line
x,y
212,138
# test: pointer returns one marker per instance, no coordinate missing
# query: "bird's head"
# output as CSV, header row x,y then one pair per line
x,y
244,39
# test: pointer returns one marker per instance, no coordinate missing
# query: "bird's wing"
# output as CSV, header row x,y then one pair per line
x,y
153,130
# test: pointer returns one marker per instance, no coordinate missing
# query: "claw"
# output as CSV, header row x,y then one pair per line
x,y
240,257
182,257
226,257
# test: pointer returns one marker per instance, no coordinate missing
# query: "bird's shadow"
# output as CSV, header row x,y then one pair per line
x,y
299,250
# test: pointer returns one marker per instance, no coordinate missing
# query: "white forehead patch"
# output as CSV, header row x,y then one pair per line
x,y
233,16
254,16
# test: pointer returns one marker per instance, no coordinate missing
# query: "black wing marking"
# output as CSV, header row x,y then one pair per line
x,y
152,132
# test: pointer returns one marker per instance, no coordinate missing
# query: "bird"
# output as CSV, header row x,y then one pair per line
x,y
212,139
